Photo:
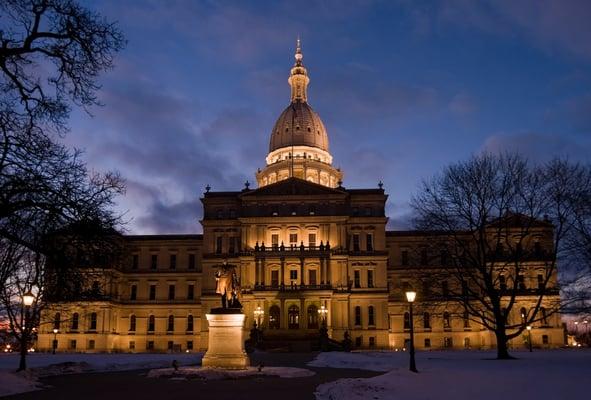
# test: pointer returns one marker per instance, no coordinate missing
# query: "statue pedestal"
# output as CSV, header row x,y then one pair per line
x,y
226,341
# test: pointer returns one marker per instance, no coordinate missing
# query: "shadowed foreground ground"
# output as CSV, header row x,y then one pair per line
x,y
133,385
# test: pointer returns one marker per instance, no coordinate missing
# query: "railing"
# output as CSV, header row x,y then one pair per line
x,y
293,288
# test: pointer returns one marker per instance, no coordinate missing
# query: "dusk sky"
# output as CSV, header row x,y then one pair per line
x,y
403,87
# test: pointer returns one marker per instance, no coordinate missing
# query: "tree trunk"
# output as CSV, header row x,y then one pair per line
x,y
502,349
23,351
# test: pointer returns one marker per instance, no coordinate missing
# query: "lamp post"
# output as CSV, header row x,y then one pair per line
x,y
529,337
28,299
323,312
54,344
259,314
410,297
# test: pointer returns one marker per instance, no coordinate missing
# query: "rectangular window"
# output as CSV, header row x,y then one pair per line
x,y
171,290
150,345
190,292
275,278
275,241
170,345
190,345
427,343
91,344
521,282
404,258
371,320
312,240
424,258
293,274
357,278
370,278
356,242
372,341
93,322
218,245
133,293
540,281
131,345
545,339
72,345
293,239
312,277
152,295
135,262
154,263
173,261
369,242
191,261
448,342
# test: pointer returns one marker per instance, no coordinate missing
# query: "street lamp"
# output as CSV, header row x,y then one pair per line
x,y
323,311
54,345
410,297
28,299
529,337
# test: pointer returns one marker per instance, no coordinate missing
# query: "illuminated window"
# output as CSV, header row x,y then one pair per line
x,y
274,317
312,240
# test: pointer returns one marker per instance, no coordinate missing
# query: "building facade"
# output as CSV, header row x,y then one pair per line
x,y
308,251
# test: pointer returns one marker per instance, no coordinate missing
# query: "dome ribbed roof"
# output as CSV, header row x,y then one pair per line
x,y
298,125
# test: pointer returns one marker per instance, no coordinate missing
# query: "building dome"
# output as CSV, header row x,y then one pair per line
x,y
298,125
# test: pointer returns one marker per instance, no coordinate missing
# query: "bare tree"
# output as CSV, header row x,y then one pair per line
x,y
51,54
496,221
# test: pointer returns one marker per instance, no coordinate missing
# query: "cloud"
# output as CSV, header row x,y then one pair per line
x,y
540,147
462,104
551,25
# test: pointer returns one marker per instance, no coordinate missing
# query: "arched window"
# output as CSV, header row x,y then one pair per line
x,y
357,316
312,317
293,317
426,320
57,320
406,320
93,321
523,314
371,319
190,323
544,319
151,323
446,320
75,319
170,326
132,323
274,317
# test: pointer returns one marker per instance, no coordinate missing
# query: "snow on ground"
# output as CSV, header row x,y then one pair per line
x,y
218,374
43,364
552,374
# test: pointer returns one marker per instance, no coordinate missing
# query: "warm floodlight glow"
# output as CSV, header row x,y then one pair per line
x,y
529,328
411,296
28,299
55,330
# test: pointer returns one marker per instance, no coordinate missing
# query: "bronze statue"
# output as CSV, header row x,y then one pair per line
x,y
228,286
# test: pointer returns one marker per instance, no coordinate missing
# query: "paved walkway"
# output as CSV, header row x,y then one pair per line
x,y
133,385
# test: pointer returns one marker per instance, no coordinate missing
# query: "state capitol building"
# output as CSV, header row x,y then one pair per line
x,y
307,251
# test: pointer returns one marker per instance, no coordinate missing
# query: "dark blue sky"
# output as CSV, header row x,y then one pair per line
x,y
403,87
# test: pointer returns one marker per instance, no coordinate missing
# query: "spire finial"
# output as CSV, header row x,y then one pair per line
x,y
298,53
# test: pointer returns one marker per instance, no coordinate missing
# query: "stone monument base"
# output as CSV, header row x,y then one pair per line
x,y
226,340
